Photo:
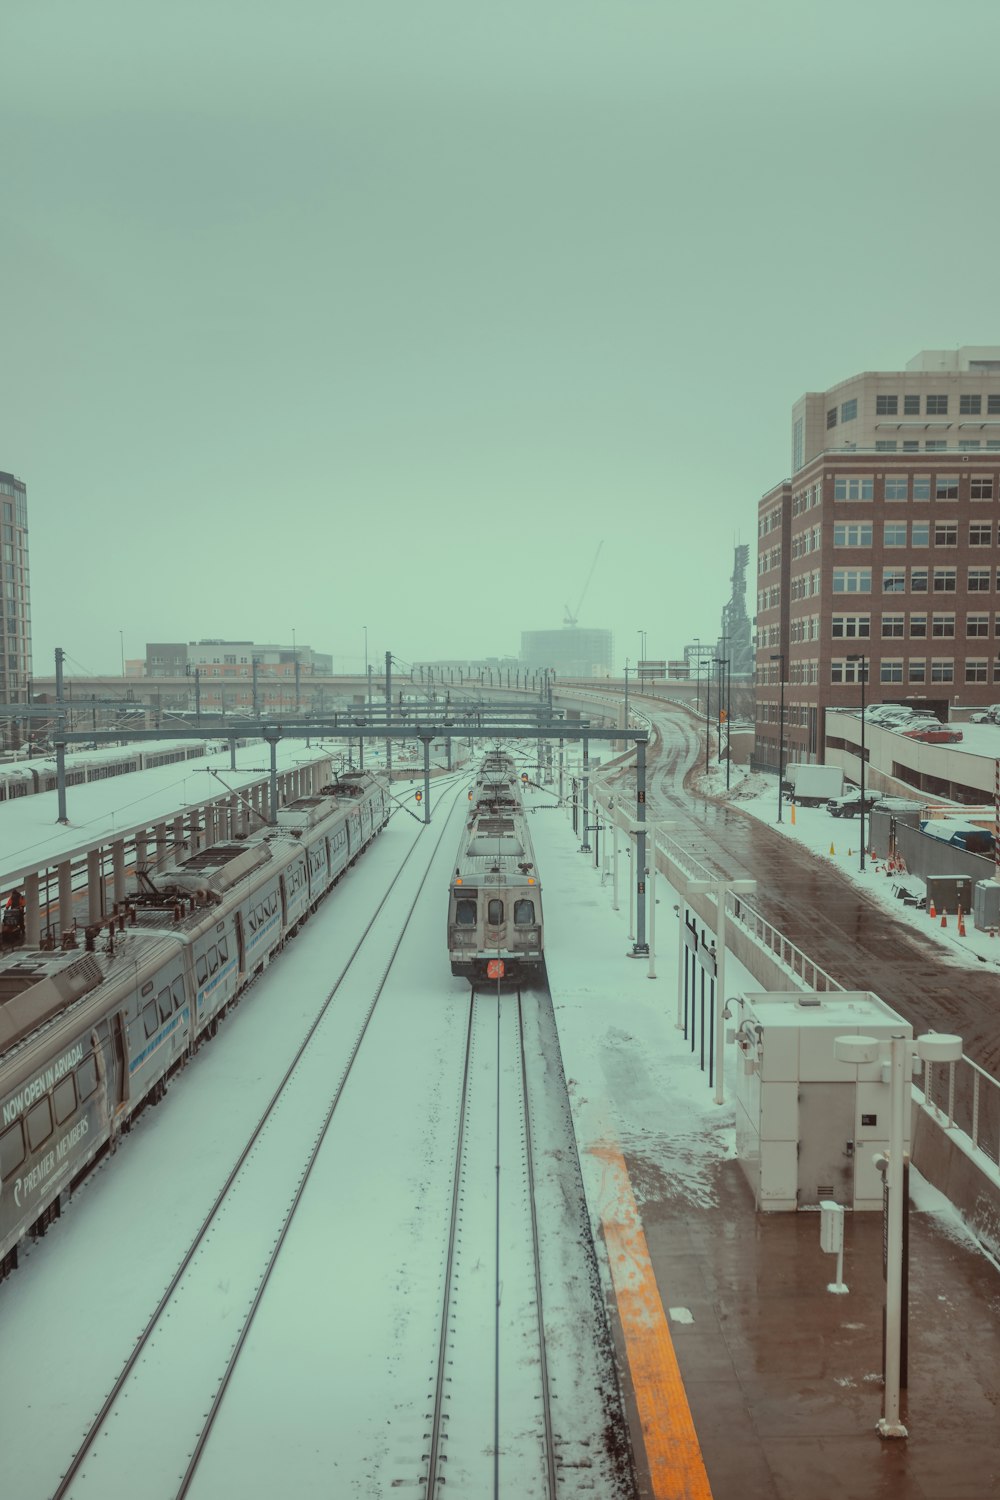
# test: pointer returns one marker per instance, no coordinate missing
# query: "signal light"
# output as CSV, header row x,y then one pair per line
x,y
419,796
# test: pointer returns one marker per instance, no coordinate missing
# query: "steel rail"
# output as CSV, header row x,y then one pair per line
x,y
208,1223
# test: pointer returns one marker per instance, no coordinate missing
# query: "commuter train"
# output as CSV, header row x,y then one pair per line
x,y
495,927
87,1038
26,777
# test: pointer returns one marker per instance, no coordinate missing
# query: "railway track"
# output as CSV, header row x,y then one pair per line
x,y
491,1411
186,1354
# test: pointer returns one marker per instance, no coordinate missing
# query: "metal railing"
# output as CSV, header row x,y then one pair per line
x,y
962,1095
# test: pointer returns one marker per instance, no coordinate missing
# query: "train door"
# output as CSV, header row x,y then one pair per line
x,y
241,947
284,901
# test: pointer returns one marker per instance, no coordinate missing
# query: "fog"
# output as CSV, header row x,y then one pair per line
x,y
335,314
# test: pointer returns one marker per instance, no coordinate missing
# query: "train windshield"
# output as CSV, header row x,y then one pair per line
x,y
465,912
494,913
524,913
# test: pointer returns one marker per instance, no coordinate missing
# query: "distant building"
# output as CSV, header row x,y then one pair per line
x,y
15,594
571,651
218,658
876,561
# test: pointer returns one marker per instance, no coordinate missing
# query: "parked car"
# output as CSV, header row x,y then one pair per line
x,y
934,734
849,805
989,715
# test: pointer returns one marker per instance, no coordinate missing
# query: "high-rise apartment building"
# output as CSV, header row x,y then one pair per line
x,y
881,554
15,597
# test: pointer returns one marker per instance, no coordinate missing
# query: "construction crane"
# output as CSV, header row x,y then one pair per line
x,y
571,618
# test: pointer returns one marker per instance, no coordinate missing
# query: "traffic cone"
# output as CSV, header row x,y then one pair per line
x,y
793,814
932,912
944,919
832,849
961,923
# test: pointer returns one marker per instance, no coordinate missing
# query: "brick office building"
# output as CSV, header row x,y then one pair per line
x,y
884,544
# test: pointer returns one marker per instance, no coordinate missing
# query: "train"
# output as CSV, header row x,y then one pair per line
x,y
495,926
89,1038
25,778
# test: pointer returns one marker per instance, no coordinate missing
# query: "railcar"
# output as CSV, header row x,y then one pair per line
x,y
495,923
26,778
88,1039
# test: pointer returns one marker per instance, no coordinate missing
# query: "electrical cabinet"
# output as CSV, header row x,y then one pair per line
x,y
807,1124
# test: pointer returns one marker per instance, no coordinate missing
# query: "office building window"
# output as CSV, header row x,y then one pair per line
x,y
918,580
935,446
850,627
798,449
886,406
943,625
937,406
894,533
946,534
852,489
946,487
942,670
854,534
897,487
977,625
918,626
884,446
893,625
981,487
894,580
920,534
976,669
847,671
831,417
970,406
969,444
890,671
944,580
981,534
849,411
980,580
921,487
852,580
917,670
911,406
911,446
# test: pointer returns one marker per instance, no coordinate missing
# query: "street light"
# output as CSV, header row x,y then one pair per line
x,y
864,676
626,695
708,711
932,1047
780,656
642,638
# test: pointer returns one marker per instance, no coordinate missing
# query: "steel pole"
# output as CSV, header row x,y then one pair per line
x,y
890,1424
720,987
427,777
641,947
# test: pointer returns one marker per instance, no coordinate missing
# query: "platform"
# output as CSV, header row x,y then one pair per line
x,y
744,1377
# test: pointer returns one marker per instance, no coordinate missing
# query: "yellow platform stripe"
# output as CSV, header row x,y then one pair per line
x,y
673,1453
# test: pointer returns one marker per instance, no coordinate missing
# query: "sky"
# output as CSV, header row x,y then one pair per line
x,y
340,314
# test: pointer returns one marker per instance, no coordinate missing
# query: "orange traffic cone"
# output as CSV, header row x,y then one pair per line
x,y
944,919
961,923
832,849
932,912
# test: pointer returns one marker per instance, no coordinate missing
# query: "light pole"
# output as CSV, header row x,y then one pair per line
x,y
861,810
626,695
721,663
780,656
933,1047
121,638
642,639
708,711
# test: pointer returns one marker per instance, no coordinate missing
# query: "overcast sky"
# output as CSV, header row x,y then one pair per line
x,y
325,314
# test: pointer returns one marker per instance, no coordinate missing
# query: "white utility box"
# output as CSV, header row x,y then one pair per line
x,y
808,1125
